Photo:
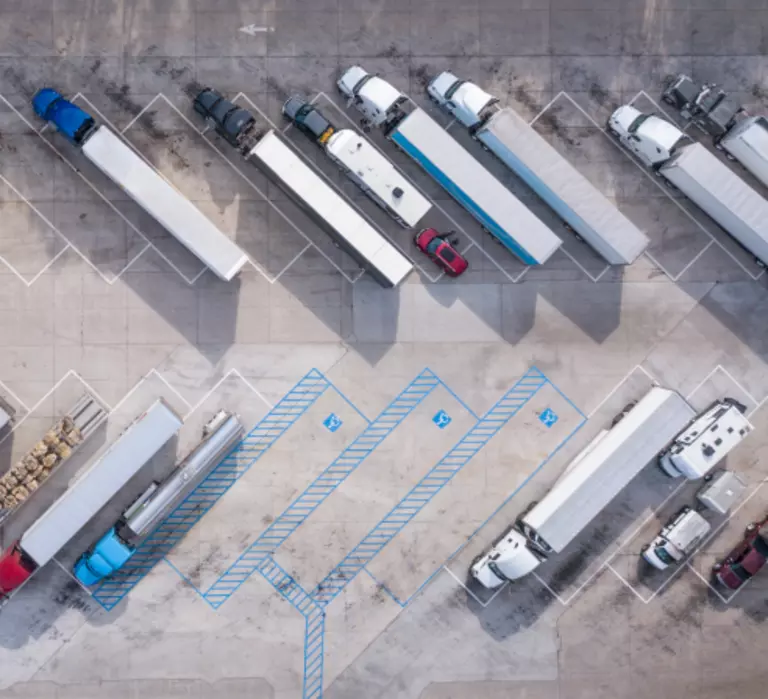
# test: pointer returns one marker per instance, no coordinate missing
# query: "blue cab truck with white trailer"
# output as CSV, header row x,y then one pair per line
x,y
534,160
497,210
147,187
220,435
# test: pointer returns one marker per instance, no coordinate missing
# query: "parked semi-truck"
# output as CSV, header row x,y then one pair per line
x,y
124,166
364,164
348,229
495,208
590,482
520,147
220,435
742,137
698,174
87,495
706,441
58,444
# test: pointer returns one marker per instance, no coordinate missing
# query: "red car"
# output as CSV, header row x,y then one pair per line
x,y
442,252
746,559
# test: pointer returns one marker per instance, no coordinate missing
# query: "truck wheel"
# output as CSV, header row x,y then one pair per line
x,y
751,527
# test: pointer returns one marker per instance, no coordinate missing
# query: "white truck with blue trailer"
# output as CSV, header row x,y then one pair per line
x,y
147,187
220,435
495,208
523,150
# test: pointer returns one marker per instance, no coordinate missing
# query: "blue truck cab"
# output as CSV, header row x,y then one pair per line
x,y
107,556
68,118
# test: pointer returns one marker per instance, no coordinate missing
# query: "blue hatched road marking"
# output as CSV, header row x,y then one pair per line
x,y
287,411
296,513
314,629
488,426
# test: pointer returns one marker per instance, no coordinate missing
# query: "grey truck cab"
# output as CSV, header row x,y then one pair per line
x,y
231,122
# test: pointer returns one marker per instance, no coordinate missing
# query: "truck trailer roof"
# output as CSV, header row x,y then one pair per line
x,y
94,488
179,216
569,193
730,201
340,219
606,466
377,173
465,179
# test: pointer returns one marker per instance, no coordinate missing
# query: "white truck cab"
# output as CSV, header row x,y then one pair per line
x,y
373,97
706,441
677,539
463,99
508,559
650,138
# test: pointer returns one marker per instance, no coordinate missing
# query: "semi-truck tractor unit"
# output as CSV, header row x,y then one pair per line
x,y
126,168
412,130
56,447
590,482
706,441
740,136
347,228
220,435
588,212
93,489
697,173
361,162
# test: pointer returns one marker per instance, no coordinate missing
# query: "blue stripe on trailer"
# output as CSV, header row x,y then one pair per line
x,y
459,195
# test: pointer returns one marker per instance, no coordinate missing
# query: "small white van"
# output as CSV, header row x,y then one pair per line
x,y
677,539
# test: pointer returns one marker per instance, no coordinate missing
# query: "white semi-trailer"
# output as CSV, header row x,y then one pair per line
x,y
698,174
524,151
495,208
348,229
147,187
87,495
590,482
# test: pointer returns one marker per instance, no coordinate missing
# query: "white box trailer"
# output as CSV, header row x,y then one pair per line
x,y
605,468
747,141
590,482
499,211
377,177
722,194
94,488
346,226
169,207
570,195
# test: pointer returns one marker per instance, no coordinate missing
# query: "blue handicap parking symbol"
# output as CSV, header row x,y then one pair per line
x,y
332,422
548,417
441,419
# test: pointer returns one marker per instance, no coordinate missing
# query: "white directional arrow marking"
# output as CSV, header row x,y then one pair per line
x,y
254,29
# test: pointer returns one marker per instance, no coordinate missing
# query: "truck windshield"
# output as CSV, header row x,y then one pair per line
x,y
451,91
663,555
635,125
496,571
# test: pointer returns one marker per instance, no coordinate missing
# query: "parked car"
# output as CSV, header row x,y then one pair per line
x,y
442,251
746,559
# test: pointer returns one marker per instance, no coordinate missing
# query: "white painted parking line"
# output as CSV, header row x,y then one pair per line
x,y
231,372
98,194
637,367
553,593
14,396
655,179
624,580
140,114
450,218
